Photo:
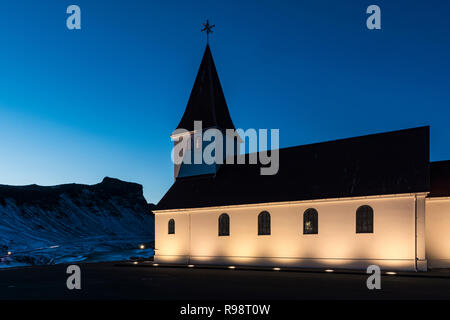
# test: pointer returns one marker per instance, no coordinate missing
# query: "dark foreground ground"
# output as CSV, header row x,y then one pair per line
x,y
110,281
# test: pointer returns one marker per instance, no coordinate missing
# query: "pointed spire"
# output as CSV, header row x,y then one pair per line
x,y
207,101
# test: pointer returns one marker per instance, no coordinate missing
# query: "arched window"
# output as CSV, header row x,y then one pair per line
x,y
364,219
224,225
310,221
264,223
171,226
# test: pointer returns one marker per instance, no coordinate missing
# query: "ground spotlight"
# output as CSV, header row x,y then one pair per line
x,y
329,270
276,269
231,267
142,247
155,264
391,273
190,266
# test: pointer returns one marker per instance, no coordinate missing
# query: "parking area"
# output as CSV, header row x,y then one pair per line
x,y
129,281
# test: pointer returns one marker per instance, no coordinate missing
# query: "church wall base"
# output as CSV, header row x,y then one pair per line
x,y
326,263
439,264
171,259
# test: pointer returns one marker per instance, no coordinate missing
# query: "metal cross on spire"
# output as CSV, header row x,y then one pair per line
x,y
208,29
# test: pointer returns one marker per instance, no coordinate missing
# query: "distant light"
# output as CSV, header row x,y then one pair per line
x,y
190,266
135,262
231,267
391,273
142,247
155,264
9,253
276,269
329,270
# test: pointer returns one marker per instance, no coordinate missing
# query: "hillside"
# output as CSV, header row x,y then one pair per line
x,y
73,222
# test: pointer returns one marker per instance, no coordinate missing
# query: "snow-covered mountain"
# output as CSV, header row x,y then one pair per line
x,y
102,222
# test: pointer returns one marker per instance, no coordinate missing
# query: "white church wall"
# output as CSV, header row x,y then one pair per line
x,y
172,248
337,245
438,232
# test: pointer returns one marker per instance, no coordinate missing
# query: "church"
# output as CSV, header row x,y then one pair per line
x,y
343,204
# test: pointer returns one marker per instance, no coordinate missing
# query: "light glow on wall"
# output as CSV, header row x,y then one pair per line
x,y
336,246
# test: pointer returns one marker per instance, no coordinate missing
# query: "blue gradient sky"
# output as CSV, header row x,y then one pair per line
x,y
76,106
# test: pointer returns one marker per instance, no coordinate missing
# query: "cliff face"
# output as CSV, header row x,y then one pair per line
x,y
73,222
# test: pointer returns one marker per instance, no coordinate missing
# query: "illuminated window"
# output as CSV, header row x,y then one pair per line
x,y
171,226
224,225
264,223
310,221
364,219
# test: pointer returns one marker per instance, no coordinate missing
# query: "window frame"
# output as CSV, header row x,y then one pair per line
x,y
264,224
224,225
308,215
171,226
364,219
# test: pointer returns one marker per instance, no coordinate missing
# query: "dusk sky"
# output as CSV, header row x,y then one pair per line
x,y
76,106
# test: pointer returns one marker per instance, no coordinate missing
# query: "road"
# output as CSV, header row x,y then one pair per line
x,y
109,281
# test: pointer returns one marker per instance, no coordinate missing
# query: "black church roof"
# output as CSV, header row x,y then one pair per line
x,y
440,179
379,164
207,101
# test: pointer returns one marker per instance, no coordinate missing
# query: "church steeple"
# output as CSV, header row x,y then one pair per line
x,y
207,101
207,105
